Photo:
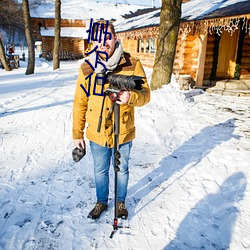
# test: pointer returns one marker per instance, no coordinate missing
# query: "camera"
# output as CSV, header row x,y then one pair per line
x,y
121,81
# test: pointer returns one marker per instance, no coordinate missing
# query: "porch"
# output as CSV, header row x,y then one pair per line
x,y
231,87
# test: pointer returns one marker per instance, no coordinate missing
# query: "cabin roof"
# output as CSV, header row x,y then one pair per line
x,y
78,32
208,9
193,10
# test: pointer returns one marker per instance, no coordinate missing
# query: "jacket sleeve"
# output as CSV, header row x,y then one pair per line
x,y
141,97
80,106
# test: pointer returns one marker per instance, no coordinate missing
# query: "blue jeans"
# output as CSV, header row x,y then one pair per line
x,y
102,157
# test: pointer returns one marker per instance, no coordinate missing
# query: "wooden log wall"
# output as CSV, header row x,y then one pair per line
x,y
190,56
185,59
73,45
131,46
186,55
79,46
179,60
146,59
50,22
66,44
47,45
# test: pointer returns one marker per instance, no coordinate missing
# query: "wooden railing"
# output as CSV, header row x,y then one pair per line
x,y
64,55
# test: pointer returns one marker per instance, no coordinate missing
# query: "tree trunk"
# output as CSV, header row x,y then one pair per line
x,y
29,38
56,59
3,57
168,34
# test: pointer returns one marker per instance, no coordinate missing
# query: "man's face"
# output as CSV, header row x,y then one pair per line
x,y
109,46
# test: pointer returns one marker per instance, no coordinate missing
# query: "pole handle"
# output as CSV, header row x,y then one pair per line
x,y
99,124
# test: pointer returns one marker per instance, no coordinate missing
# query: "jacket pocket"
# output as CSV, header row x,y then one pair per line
x,y
126,120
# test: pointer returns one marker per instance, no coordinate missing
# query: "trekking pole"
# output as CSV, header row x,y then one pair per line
x,y
117,156
100,117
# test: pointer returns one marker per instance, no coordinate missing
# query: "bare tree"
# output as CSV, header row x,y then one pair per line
x,y
3,57
28,33
168,34
56,59
36,3
11,16
11,24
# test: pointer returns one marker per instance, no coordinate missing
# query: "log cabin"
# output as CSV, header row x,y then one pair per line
x,y
213,41
74,23
73,41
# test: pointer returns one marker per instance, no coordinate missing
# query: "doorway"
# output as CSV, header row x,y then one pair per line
x,y
227,55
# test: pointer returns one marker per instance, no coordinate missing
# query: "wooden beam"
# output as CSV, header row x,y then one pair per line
x,y
201,60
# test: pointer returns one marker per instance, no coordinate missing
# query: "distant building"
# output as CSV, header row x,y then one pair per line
x,y
73,37
75,16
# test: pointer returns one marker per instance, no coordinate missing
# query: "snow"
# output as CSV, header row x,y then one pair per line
x,y
151,3
145,20
77,9
67,32
189,169
196,9
192,10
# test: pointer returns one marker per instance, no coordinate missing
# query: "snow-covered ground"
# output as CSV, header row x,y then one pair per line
x,y
189,170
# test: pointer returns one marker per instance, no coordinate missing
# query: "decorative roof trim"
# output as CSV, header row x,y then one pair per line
x,y
208,26
219,25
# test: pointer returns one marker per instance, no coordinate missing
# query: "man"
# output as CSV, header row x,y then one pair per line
x,y
86,108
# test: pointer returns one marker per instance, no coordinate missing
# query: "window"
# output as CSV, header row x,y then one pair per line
x,y
146,45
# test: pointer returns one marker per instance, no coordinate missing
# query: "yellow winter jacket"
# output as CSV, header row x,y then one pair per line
x,y
87,109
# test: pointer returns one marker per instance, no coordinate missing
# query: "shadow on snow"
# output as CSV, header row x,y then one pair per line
x,y
23,110
210,223
190,153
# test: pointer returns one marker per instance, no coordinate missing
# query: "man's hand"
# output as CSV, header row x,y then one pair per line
x,y
79,143
123,97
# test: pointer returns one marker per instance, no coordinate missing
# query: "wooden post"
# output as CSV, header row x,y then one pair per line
x,y
201,60
145,45
156,43
149,45
140,45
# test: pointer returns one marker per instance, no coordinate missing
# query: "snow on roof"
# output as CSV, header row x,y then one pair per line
x,y
145,20
67,32
197,9
38,42
139,2
192,10
85,10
